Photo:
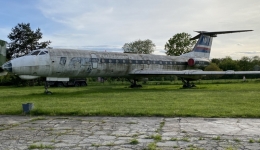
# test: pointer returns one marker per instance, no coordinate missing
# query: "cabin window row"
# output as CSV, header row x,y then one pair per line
x,y
123,61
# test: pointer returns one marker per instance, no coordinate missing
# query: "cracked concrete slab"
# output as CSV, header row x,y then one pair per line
x,y
25,132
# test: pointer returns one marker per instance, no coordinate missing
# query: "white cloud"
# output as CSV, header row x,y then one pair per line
x,y
115,22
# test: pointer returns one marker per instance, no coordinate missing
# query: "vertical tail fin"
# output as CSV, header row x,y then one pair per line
x,y
203,46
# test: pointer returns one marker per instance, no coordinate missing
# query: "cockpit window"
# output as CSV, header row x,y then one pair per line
x,y
38,52
42,53
35,53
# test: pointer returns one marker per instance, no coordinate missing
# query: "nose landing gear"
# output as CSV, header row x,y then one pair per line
x,y
46,86
187,84
134,83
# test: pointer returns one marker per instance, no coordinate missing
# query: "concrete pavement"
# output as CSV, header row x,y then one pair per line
x,y
104,133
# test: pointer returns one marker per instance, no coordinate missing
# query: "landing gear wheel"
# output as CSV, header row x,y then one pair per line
x,y
60,84
138,85
48,92
187,84
46,86
134,84
77,84
83,84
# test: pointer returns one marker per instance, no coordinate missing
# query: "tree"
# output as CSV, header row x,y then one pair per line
x,y
24,40
179,44
256,63
139,47
212,67
245,64
228,64
216,60
256,60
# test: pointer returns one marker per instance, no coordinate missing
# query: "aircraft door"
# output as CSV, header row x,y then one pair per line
x,y
58,64
94,61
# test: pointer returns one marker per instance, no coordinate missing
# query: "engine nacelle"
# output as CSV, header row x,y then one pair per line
x,y
28,77
198,62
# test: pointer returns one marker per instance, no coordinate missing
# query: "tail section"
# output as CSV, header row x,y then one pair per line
x,y
203,46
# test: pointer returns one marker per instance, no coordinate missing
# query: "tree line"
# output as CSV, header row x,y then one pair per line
x,y
177,45
227,63
23,40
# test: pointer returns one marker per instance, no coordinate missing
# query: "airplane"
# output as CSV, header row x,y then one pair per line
x,y
62,64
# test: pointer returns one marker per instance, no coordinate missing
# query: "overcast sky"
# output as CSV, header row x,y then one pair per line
x,y
109,24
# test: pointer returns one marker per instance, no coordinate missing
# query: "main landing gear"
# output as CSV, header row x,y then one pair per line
x,y
46,86
187,84
134,83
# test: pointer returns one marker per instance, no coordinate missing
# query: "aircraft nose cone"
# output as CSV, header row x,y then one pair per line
x,y
7,66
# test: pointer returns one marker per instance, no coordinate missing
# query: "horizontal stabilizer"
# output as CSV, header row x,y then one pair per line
x,y
214,34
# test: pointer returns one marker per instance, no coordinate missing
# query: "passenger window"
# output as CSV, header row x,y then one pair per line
x,y
94,59
62,60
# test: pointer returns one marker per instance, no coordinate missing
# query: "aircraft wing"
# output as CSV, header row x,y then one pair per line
x,y
192,72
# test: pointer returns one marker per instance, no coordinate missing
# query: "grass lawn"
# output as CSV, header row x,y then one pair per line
x,y
207,100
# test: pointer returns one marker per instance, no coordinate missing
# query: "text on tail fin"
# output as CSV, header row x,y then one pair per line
x,y
203,45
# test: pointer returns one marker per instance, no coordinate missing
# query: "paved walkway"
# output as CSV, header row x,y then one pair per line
x,y
103,133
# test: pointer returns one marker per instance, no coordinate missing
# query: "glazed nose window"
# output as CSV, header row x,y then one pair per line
x,y
7,66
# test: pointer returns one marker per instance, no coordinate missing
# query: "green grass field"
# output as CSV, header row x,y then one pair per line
x,y
207,100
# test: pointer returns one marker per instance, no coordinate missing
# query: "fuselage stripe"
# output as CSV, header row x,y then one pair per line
x,y
202,49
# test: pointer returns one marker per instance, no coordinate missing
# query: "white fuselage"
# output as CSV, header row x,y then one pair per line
x,y
83,63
